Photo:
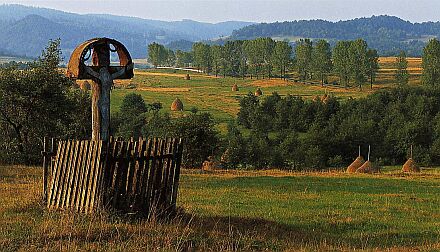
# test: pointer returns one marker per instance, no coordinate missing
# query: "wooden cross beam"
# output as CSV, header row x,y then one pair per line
x,y
102,75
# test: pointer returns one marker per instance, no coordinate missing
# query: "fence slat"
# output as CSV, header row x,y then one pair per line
x,y
55,174
62,175
83,199
82,178
95,177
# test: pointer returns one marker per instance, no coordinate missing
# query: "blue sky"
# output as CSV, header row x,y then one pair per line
x,y
247,10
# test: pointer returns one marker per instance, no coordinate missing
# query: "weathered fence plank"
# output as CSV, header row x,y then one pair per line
x,y
129,176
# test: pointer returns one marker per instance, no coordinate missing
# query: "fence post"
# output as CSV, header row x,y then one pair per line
x,y
45,168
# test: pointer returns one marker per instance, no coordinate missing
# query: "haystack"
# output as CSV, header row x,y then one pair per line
x,y
368,166
235,88
258,92
187,77
410,166
325,99
316,98
177,105
358,162
209,164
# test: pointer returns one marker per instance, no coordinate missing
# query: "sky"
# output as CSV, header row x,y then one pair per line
x,y
247,10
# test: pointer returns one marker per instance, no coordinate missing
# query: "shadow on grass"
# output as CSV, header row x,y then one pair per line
x,y
256,233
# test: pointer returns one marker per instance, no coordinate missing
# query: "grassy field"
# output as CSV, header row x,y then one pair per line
x,y
261,210
214,95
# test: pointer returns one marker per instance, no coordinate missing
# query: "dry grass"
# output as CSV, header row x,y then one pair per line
x,y
164,89
268,210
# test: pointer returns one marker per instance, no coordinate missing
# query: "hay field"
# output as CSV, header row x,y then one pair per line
x,y
238,210
213,94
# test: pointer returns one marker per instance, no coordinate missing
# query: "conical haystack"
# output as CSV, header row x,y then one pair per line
x,y
258,92
316,98
187,77
235,88
368,167
358,162
410,166
326,99
177,105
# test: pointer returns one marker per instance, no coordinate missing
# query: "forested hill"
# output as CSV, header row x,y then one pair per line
x,y
25,30
387,34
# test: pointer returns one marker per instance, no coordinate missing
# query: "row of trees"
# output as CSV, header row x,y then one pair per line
x,y
255,58
350,60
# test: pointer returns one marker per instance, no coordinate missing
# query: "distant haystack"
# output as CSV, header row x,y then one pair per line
x,y
325,99
358,162
235,88
410,166
177,105
316,98
187,77
209,164
258,92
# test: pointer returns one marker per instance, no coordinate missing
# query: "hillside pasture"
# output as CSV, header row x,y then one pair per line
x,y
213,94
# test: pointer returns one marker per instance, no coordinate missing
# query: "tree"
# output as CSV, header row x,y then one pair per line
x,y
373,65
281,57
217,58
37,102
200,136
170,58
202,56
130,119
341,61
401,75
322,59
183,59
157,54
303,57
358,61
431,63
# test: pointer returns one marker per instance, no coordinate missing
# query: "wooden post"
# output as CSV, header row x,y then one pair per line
x,y
45,168
101,94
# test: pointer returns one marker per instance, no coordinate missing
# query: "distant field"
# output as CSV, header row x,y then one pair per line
x,y
237,210
6,59
214,95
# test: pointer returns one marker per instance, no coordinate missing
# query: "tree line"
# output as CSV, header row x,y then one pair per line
x,y
265,57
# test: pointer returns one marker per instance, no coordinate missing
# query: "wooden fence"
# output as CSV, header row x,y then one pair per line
x,y
128,176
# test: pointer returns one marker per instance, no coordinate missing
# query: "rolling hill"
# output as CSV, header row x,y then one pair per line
x,y
25,30
388,34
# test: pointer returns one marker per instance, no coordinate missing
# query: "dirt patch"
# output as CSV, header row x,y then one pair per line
x,y
269,83
170,74
167,90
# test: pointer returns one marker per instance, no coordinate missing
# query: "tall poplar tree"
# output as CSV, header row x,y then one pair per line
x,y
322,59
431,63
401,75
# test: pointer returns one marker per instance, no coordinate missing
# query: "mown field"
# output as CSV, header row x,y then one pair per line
x,y
214,95
237,210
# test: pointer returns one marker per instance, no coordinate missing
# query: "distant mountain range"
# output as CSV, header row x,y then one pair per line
x,y
387,34
25,30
